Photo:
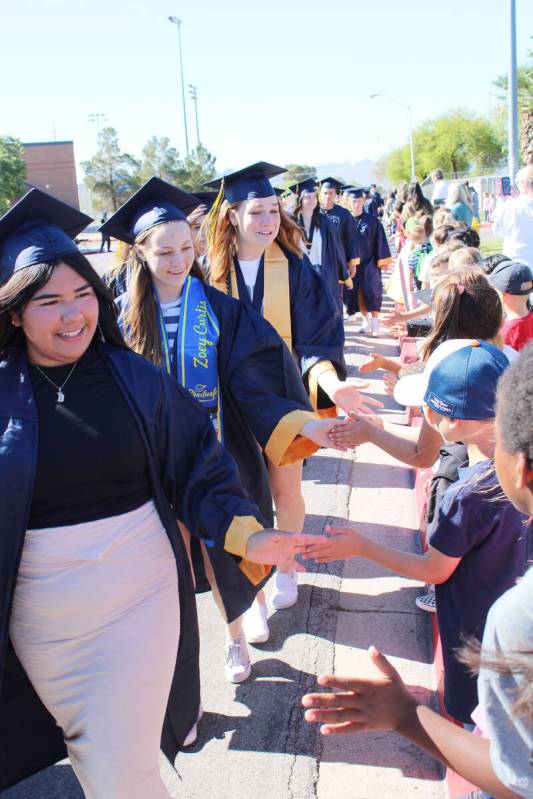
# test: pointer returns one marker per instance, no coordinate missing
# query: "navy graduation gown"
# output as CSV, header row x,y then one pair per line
x,y
193,479
316,324
375,254
332,269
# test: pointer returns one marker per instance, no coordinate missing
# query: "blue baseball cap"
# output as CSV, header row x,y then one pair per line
x,y
463,385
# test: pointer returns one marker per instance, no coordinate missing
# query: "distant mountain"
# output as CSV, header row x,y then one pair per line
x,y
362,173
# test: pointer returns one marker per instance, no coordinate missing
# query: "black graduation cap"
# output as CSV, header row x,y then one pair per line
x,y
250,183
155,202
38,229
331,183
351,191
279,192
206,198
308,184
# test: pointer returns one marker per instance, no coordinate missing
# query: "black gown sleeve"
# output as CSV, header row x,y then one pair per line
x,y
199,477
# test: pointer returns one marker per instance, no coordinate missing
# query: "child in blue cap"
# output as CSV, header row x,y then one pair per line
x,y
479,548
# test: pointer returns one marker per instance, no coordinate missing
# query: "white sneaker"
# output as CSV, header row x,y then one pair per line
x,y
363,327
285,590
375,328
238,666
255,623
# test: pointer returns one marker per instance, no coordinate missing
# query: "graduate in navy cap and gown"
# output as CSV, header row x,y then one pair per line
x,y
255,254
322,241
236,366
367,293
101,453
341,218
196,217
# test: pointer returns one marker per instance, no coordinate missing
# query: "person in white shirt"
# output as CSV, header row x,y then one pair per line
x,y
514,220
440,190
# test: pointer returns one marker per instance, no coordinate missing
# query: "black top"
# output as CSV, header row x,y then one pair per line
x,y
91,461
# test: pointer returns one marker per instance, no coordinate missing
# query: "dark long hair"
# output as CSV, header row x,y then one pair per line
x,y
465,306
17,292
315,219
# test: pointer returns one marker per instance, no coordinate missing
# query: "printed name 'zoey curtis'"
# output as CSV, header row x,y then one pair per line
x,y
201,329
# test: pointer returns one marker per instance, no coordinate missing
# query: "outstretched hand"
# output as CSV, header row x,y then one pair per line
x,y
362,705
375,361
319,431
349,398
278,548
342,543
356,430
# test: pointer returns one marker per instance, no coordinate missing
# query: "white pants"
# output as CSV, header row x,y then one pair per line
x,y
95,624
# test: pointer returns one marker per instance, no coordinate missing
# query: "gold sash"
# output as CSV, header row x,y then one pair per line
x,y
277,295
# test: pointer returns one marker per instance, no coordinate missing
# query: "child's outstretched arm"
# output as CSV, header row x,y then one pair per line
x,y
346,542
385,703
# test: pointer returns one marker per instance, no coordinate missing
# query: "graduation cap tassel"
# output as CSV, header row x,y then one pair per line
x,y
212,218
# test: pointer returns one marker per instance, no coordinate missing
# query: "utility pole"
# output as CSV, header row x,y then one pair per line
x,y
179,23
512,122
193,94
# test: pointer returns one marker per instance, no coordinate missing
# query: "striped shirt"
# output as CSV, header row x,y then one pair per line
x,y
171,317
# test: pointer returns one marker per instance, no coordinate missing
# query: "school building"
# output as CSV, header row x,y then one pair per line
x,y
51,168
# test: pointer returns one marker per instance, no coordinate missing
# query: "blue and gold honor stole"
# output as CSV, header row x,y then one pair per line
x,y
194,360
276,292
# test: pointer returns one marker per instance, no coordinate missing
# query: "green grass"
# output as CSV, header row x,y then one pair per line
x,y
491,247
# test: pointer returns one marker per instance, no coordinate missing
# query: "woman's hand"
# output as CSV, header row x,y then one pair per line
x,y
344,542
392,319
379,703
350,399
355,431
319,431
278,548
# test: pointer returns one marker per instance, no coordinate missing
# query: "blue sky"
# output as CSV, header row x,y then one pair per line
x,y
278,80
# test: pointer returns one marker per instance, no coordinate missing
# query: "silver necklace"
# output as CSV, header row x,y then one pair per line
x,y
59,389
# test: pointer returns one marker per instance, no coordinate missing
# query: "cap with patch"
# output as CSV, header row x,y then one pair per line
x,y
250,183
463,385
154,203
308,184
410,390
331,183
38,229
512,277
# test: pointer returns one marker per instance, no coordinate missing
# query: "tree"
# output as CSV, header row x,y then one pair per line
x,y
159,159
524,87
12,172
297,172
197,169
457,142
111,174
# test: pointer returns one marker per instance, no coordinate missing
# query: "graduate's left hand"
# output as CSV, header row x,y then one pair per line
x,y
320,431
278,548
345,542
350,399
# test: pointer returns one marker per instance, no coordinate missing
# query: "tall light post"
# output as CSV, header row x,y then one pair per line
x,y
512,112
193,94
179,23
97,118
410,119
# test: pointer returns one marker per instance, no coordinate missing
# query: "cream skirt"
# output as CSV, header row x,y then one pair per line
x,y
95,624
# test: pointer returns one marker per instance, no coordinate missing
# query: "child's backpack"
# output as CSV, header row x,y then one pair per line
x,y
452,458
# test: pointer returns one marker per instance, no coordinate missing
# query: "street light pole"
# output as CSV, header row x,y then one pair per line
x,y
512,95
410,119
179,23
96,118
193,94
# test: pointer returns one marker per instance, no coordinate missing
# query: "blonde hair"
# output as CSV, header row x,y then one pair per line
x,y
222,238
442,217
466,257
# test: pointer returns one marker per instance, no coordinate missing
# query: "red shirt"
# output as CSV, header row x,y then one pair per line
x,y
517,332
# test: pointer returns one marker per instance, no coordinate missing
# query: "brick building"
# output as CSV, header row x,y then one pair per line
x,y
51,167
